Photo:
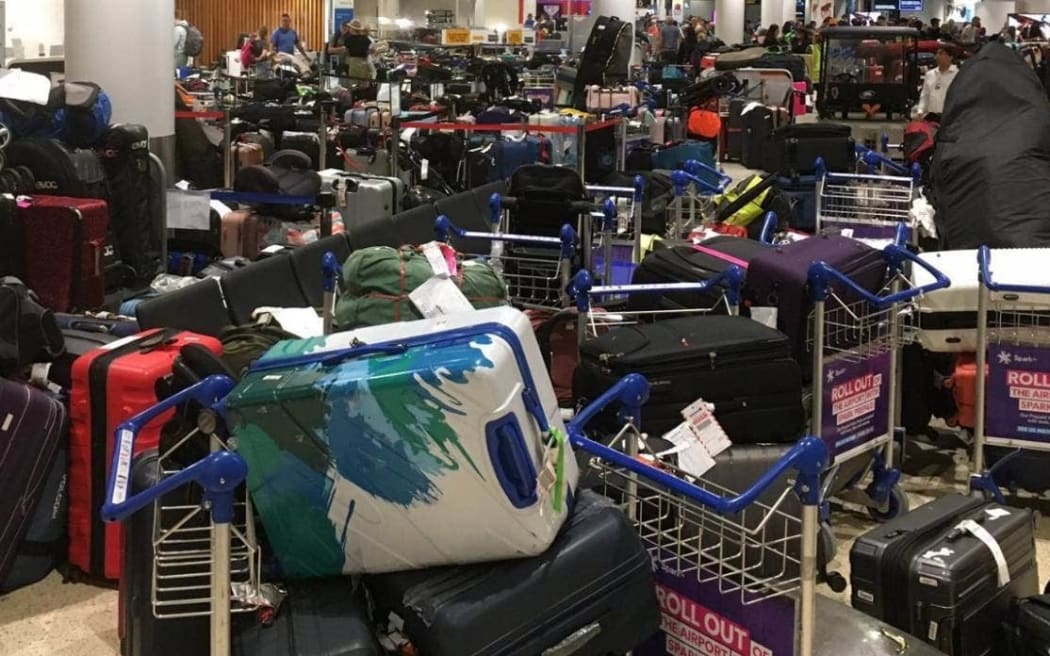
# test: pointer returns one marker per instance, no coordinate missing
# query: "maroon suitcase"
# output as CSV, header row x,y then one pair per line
x,y
67,250
32,428
779,277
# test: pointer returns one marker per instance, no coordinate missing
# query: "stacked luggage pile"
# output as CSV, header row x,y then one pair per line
x,y
345,430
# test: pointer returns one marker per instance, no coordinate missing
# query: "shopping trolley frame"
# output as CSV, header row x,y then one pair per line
x,y
691,188
857,333
1020,322
704,507
863,205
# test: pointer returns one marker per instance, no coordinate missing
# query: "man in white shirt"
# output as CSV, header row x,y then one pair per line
x,y
935,86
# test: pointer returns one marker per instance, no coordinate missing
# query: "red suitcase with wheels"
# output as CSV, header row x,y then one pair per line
x,y
112,384
67,250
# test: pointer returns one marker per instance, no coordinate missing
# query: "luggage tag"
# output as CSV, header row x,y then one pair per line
x,y
439,297
701,420
765,315
551,481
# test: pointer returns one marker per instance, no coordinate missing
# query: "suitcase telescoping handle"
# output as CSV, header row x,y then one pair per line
x,y
444,229
219,473
809,455
984,262
821,275
731,280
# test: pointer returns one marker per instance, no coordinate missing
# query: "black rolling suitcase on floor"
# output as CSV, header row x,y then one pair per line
x,y
690,264
326,617
1028,630
947,574
793,150
759,124
740,366
591,594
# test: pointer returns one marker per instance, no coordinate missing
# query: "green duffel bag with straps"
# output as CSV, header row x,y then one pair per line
x,y
377,282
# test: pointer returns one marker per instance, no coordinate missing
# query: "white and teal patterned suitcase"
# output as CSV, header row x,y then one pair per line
x,y
405,446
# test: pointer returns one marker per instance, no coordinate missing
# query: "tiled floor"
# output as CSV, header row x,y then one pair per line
x,y
56,619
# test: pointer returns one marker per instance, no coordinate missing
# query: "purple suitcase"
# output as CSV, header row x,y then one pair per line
x,y
32,428
779,278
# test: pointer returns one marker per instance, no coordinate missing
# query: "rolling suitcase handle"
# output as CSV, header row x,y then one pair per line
x,y
331,273
220,473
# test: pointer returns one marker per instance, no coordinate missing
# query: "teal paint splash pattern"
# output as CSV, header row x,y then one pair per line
x,y
380,422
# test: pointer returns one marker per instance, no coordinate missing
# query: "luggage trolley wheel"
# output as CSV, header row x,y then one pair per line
x,y
896,504
827,548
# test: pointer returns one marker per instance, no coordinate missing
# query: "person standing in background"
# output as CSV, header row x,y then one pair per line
x,y
654,37
337,48
530,22
182,31
256,57
935,87
670,40
285,39
358,46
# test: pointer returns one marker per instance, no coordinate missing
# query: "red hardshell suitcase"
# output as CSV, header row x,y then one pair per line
x,y
66,242
112,384
32,428
779,277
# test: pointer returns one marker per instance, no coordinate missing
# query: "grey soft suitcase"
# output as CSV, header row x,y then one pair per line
x,y
371,196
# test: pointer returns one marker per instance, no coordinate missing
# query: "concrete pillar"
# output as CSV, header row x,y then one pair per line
x,y
729,20
622,9
140,83
702,8
479,13
772,12
1033,6
788,12
994,14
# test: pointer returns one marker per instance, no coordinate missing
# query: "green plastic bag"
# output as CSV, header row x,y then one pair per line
x,y
378,280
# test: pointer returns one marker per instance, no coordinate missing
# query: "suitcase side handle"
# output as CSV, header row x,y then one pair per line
x,y
821,274
809,456
984,262
219,473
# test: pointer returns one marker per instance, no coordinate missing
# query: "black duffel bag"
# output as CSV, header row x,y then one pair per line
x,y
786,61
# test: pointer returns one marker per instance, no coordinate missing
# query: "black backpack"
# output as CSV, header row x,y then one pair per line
x,y
28,330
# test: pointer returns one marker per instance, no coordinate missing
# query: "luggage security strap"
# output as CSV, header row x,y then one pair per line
x,y
982,534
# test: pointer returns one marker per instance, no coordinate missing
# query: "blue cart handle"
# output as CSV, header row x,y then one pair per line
x,y
984,261
809,455
444,229
219,474
331,271
769,228
582,287
696,167
821,274
875,158
681,179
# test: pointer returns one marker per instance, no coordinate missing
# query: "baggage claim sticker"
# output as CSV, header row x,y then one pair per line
x,y
856,395
1018,393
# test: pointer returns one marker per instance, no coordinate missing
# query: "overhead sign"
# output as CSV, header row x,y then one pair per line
x,y
479,36
911,6
455,37
342,12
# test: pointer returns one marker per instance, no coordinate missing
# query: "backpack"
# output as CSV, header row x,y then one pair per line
x,y
28,330
194,41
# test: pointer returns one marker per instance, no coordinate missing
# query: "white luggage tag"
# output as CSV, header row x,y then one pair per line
x,y
551,480
708,431
982,534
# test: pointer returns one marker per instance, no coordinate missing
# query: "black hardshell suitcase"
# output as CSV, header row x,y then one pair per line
x,y
33,428
758,126
1029,627
779,277
740,366
944,588
957,603
875,554
687,264
593,588
325,617
793,150
142,634
733,148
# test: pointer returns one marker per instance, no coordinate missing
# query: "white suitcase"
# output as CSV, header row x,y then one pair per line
x,y
417,448
948,317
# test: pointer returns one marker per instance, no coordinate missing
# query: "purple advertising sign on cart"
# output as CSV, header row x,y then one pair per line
x,y
1018,393
698,619
856,398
